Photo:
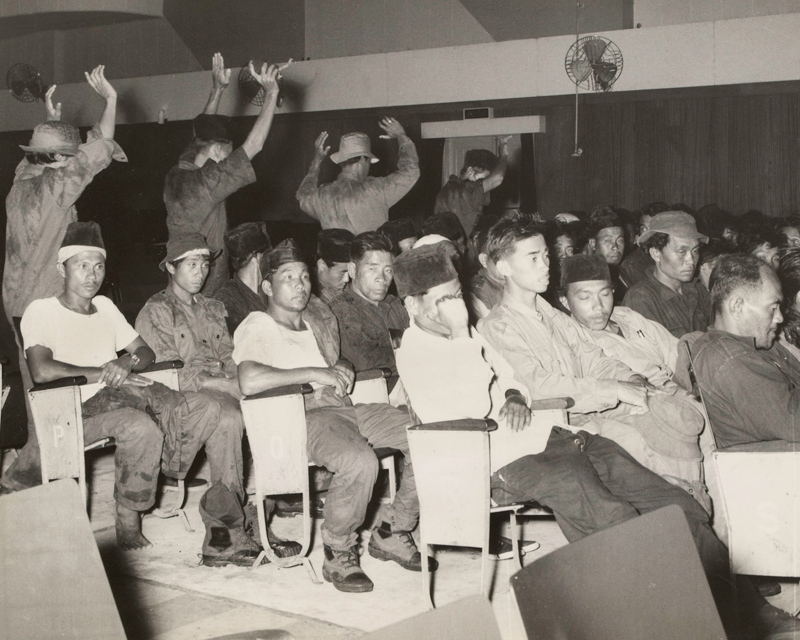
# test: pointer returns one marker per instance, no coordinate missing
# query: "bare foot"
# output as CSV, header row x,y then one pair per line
x,y
129,529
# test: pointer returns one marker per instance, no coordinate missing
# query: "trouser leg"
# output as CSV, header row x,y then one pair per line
x,y
563,478
385,426
137,457
26,470
223,438
335,443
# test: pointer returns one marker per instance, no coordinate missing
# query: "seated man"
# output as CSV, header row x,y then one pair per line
x,y
607,240
333,264
750,383
638,262
485,289
182,324
78,334
762,241
670,295
242,293
365,312
467,193
643,345
401,232
277,348
549,358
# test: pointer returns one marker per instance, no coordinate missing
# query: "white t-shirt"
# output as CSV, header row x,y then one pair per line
x,y
260,339
77,339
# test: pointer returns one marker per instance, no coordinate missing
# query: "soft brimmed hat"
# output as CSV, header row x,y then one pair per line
x,y
444,224
185,245
582,268
247,238
397,230
674,223
333,245
353,145
213,128
283,253
671,427
54,137
420,269
80,237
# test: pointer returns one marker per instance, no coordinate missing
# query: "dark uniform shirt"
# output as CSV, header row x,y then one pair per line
x,y
364,329
752,395
195,200
465,198
635,267
680,313
239,300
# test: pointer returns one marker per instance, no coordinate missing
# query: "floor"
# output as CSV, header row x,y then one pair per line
x,y
162,593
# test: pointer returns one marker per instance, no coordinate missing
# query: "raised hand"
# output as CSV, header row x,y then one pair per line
x,y
53,112
392,128
220,76
97,80
320,149
453,315
267,77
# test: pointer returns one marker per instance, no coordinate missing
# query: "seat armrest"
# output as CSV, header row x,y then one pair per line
x,y
162,366
60,383
549,404
277,392
457,425
373,374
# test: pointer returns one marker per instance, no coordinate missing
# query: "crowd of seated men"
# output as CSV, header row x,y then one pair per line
x,y
467,311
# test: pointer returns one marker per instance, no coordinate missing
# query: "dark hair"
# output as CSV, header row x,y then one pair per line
x,y
789,275
480,160
505,235
752,236
350,161
712,221
603,217
791,221
40,158
480,232
658,240
733,272
369,241
650,209
711,251
240,261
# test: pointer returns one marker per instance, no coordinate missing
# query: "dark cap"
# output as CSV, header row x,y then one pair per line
x,y
333,245
420,269
247,238
444,224
79,237
582,268
213,128
397,230
185,245
480,159
284,252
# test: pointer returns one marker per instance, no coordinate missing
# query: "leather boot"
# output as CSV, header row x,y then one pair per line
x,y
343,569
226,541
399,546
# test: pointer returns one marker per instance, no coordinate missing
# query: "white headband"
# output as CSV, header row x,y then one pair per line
x,y
192,252
65,253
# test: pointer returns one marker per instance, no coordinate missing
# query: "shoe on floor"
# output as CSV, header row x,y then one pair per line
x,y
282,548
772,623
230,546
502,547
294,507
399,546
343,569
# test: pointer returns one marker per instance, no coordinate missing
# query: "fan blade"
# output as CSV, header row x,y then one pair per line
x,y
35,87
17,87
604,74
580,70
594,50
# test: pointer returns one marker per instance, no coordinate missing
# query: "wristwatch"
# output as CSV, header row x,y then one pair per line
x,y
134,360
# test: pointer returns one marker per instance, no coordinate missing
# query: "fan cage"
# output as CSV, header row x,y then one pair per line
x,y
577,53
